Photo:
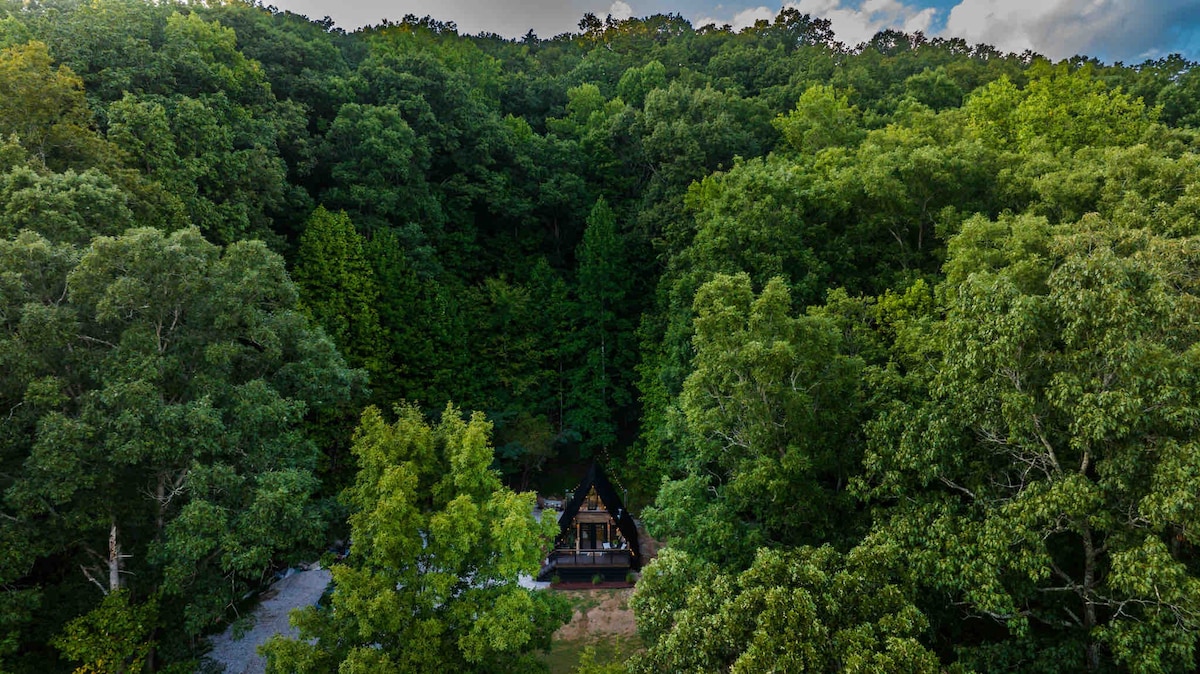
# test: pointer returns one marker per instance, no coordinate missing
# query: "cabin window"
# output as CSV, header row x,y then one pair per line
x,y
593,500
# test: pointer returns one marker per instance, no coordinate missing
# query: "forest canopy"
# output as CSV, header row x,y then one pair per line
x,y
892,344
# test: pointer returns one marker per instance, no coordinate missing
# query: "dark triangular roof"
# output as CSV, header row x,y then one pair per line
x,y
596,478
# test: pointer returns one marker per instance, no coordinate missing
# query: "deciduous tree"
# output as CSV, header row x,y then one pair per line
x,y
1045,484
432,580
767,421
796,611
156,385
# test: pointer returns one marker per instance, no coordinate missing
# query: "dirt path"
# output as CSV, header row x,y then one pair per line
x,y
598,614
601,621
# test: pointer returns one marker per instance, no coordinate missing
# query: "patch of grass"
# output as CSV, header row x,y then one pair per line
x,y
586,600
563,657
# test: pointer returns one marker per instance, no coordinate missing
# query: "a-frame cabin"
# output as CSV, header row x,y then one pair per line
x,y
597,535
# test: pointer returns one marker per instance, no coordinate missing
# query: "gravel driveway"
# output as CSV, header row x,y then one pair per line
x,y
302,588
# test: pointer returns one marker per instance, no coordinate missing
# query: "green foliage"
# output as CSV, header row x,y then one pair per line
x,y
63,207
1039,466
338,289
375,153
438,546
206,58
786,243
12,32
1059,108
219,159
639,81
766,420
748,220
44,109
588,664
178,374
115,637
934,89
804,610
822,118
601,337
529,444
690,132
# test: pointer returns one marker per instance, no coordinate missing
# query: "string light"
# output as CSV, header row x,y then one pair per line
x,y
612,475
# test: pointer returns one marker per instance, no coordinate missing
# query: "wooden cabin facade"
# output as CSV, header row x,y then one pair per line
x,y
597,535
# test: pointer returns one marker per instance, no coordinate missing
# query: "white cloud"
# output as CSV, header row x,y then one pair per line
x,y
510,18
743,19
1128,29
1059,26
620,10
853,23
1111,29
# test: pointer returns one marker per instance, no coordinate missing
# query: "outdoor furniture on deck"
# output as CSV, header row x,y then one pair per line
x,y
597,535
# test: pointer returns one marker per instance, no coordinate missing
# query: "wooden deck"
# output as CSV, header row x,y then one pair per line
x,y
570,565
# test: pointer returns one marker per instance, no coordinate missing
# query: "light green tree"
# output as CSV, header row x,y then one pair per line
x,y
807,610
1059,108
431,583
114,638
44,108
822,118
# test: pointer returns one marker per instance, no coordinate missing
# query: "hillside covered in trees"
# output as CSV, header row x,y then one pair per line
x,y
895,345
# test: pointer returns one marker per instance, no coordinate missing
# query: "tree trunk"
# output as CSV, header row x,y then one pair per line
x,y
160,496
1089,606
114,559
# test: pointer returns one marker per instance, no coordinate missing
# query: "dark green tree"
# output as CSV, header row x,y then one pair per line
x,y
64,207
602,345
338,289
157,385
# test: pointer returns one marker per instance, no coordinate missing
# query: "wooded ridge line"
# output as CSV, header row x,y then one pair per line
x,y
893,345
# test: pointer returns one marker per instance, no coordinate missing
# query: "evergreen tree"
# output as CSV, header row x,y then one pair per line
x,y
338,289
602,350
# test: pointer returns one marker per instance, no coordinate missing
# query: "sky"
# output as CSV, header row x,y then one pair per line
x,y
1111,30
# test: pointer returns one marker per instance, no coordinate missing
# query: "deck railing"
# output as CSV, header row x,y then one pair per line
x,y
561,558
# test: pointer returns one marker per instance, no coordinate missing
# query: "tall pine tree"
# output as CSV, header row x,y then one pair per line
x,y
338,289
603,351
